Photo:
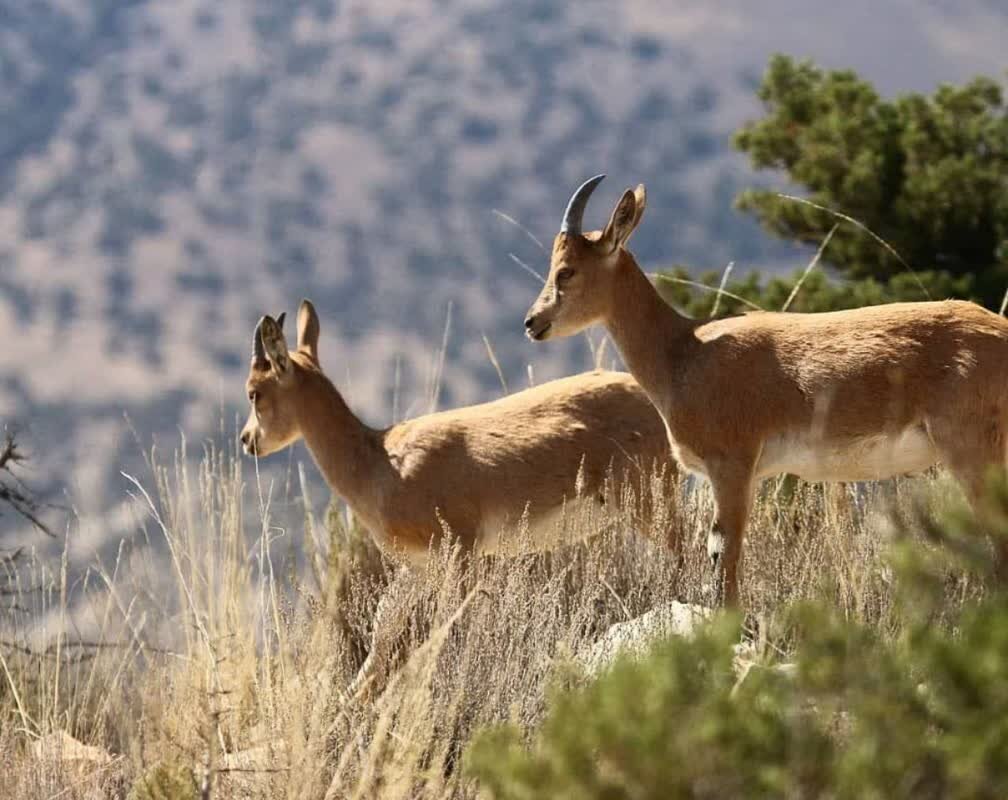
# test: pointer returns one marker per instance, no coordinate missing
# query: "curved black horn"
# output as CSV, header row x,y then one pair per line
x,y
576,207
258,348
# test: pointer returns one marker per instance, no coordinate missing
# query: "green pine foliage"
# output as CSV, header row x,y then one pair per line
x,y
920,712
817,291
926,174
929,174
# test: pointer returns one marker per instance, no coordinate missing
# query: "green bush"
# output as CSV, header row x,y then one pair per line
x,y
664,727
921,711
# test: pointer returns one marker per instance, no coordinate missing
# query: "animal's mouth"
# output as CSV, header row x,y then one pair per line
x,y
537,334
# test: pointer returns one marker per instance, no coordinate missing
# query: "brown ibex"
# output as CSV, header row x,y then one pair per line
x,y
842,396
500,476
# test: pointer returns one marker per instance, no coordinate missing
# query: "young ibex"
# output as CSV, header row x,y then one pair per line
x,y
481,472
844,396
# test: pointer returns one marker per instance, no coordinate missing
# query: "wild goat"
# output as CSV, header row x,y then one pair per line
x,y
487,473
842,396
476,471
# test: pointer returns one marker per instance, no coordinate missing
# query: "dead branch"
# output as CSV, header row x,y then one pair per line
x,y
13,492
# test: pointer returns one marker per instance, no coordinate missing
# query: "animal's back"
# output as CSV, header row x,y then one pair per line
x,y
493,460
903,360
848,342
596,412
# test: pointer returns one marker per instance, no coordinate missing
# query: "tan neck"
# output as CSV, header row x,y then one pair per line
x,y
643,326
349,453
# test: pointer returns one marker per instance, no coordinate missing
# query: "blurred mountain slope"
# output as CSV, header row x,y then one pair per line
x,y
171,171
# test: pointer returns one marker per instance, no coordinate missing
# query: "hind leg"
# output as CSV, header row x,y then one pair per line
x,y
971,453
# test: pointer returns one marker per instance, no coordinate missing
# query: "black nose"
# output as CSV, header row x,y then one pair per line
x,y
246,437
528,323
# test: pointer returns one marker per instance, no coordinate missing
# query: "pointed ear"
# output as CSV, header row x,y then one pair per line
x,y
280,319
308,329
274,345
640,198
622,222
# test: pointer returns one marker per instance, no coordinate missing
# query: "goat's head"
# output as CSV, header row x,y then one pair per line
x,y
276,381
583,266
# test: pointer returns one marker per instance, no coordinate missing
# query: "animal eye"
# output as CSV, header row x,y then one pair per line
x,y
564,274
253,396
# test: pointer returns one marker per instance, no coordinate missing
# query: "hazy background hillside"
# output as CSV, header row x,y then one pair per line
x,y
171,171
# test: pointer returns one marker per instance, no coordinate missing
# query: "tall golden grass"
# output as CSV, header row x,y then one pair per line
x,y
215,662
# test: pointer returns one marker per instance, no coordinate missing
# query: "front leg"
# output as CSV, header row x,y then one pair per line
x,y
386,638
733,485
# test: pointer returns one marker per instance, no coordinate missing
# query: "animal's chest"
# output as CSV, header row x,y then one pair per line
x,y
683,453
687,458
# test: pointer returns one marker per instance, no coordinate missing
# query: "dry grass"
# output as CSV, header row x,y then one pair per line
x,y
233,667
